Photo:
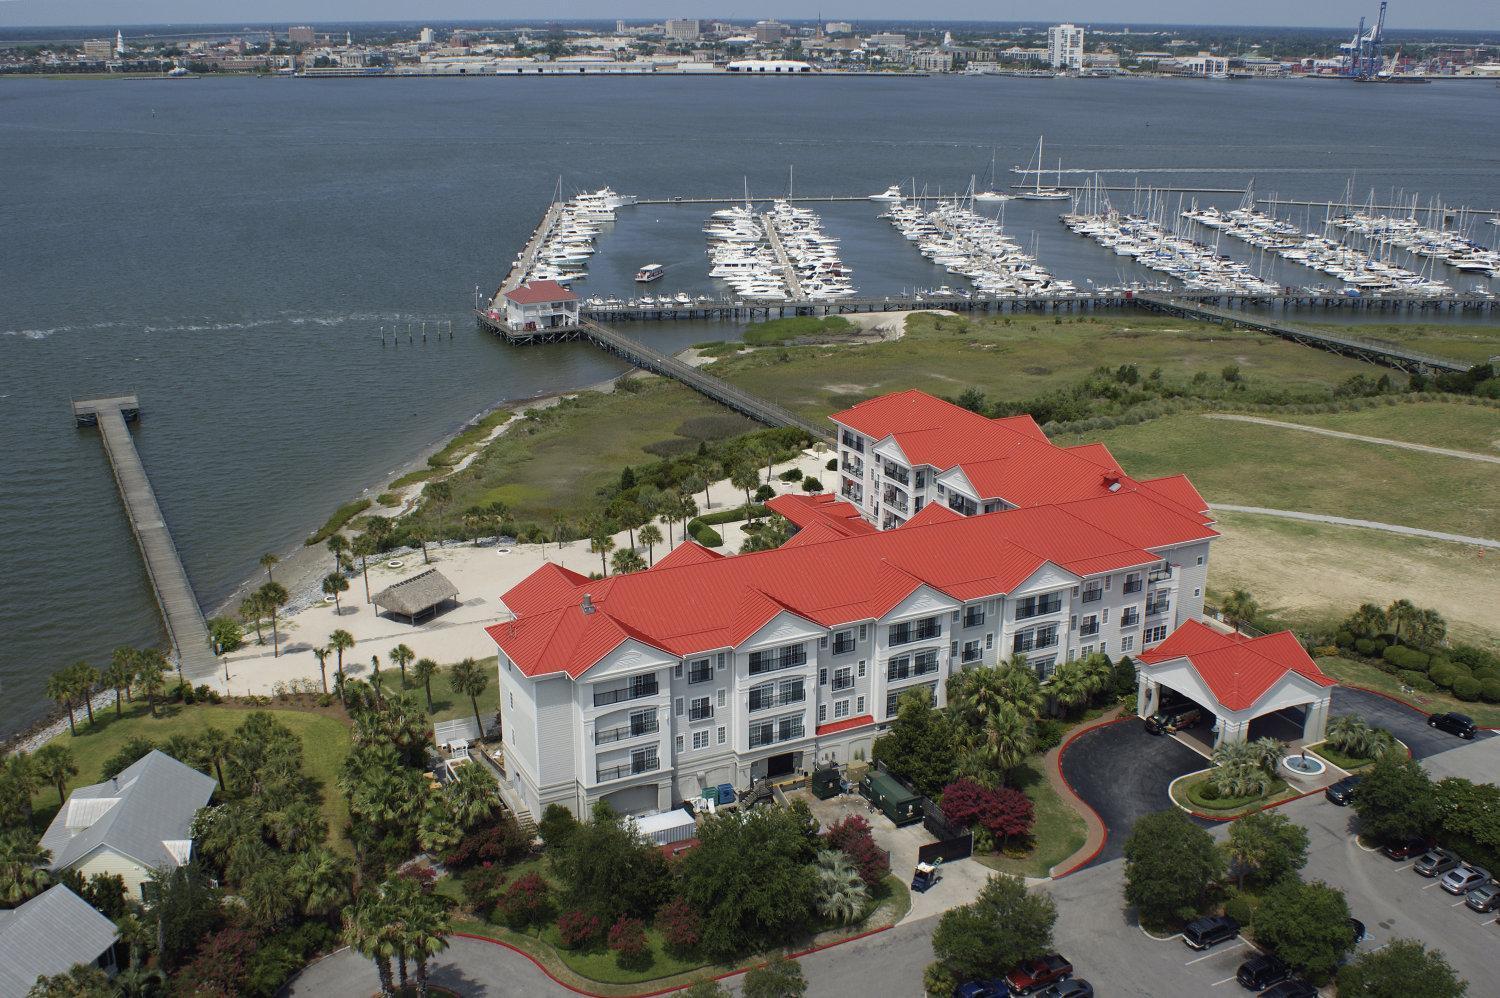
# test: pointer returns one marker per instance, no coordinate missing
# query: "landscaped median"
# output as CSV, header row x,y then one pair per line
x,y
1195,794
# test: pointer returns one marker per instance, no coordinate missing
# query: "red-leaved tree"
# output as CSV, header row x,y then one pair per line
x,y
578,928
1010,815
526,902
627,937
965,802
680,925
853,838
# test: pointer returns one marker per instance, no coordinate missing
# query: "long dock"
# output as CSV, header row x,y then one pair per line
x,y
1379,353
788,272
174,594
527,258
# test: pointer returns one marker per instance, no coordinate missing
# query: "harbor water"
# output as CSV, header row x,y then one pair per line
x,y
231,251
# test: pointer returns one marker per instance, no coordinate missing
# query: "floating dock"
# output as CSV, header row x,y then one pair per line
x,y
174,594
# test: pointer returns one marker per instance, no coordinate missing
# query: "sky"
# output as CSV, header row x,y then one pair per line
x,y
1480,14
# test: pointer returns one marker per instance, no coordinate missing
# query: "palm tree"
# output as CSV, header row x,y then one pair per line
x,y
85,678
401,655
137,936
841,894
341,641
368,930
333,584
708,470
23,866
1428,629
650,536
418,533
423,672
559,530
602,544
120,674
322,880
151,678
688,510
363,548
54,763
253,611
1001,746
1401,612
273,596
470,680
1368,621
626,561
1239,609
338,546
23,779
61,689
1268,753
696,483
744,476
472,795
375,682
213,748
268,561
1072,685
1350,734
421,928
321,653
438,493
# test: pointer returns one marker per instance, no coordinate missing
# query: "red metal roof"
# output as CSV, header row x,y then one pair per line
x,y
687,553
823,508
1238,670
538,292
932,513
846,724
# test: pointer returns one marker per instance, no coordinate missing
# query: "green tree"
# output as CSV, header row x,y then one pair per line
x,y
22,866
369,929
751,878
1265,846
999,748
1468,815
1074,684
225,635
626,561
151,678
842,894
268,561
338,546
423,672
422,926
650,535
1403,968
82,981
1004,925
1396,799
780,977
610,871
601,543
341,641
473,796
402,656
55,764
1307,925
321,653
62,690
745,476
20,780
438,494
1401,613
1240,608
333,584
212,746
1170,865
185,907
85,679
321,878
363,548
920,746
253,611
273,596
471,680
1367,622
120,674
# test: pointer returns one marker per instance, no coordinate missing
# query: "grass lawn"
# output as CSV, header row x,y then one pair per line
x,y
1440,424
446,704
1462,341
1058,831
1348,763
1354,672
1255,465
553,462
1184,793
325,743
1020,357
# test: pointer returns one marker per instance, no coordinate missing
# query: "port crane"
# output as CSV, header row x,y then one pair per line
x,y
1363,51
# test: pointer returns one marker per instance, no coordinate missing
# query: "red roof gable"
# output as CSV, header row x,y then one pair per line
x,y
824,508
1239,670
932,513
687,553
538,292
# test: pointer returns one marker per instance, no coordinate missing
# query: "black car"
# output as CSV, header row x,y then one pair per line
x,y
1358,928
1342,792
1260,972
1454,723
1201,933
1075,988
1291,988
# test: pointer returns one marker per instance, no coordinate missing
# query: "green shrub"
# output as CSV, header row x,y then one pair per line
x,y
1417,681
704,534
670,448
811,485
1240,907
1489,689
1444,676
1365,646
336,522
714,427
731,515
1406,658
791,475
1206,791
764,493
1049,733
1475,658
833,464
1344,639
1466,688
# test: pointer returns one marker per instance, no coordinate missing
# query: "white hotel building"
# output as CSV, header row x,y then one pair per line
x,y
957,541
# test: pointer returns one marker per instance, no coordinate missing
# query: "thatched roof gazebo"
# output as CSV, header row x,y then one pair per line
x,y
417,596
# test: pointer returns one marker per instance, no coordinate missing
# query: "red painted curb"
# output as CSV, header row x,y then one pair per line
x,y
1235,817
1410,706
1061,750
661,991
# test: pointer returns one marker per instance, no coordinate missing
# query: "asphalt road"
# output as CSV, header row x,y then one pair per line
x,y
1123,774
1406,723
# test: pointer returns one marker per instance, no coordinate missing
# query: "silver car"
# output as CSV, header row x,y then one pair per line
x,y
1464,878
1486,898
1436,862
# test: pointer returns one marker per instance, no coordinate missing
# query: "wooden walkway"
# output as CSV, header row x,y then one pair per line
x,y
1379,353
788,272
174,594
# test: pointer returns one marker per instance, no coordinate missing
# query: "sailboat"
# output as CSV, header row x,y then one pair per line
x,y
1040,193
990,194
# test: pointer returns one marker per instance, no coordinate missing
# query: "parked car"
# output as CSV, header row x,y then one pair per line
x,y
1178,718
1407,848
1034,975
1291,988
1201,933
1485,897
1075,987
1342,792
1359,930
981,989
1454,723
1260,972
1464,878
1435,862
924,878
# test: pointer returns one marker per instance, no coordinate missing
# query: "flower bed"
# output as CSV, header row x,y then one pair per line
x,y
1349,763
1187,792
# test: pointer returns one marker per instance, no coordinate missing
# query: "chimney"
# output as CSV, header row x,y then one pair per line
x,y
1112,482
588,604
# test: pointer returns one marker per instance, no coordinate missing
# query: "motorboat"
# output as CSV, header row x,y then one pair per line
x,y
891,193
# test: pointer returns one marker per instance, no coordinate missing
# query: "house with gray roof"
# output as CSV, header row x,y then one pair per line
x,y
135,823
49,935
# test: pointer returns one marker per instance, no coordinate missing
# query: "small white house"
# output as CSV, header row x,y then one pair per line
x,y
541,305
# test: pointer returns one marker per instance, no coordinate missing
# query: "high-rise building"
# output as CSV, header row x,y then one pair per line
x,y
427,37
683,29
98,50
1065,46
769,32
301,34
838,28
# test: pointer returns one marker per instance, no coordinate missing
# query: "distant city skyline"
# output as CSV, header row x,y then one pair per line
x,y
1403,14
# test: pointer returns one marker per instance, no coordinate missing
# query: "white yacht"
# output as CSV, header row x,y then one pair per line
x,y
891,193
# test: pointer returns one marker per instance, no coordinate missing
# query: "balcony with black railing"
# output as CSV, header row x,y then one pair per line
x,y
635,691
1038,606
1093,595
1089,630
1130,617
896,473
634,767
620,733
1133,586
788,657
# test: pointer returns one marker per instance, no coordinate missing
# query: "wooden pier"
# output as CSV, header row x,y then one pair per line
x,y
788,272
527,258
174,594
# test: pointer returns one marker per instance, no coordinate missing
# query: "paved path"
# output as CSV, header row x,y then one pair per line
x,y
1466,455
472,967
1344,521
1095,831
